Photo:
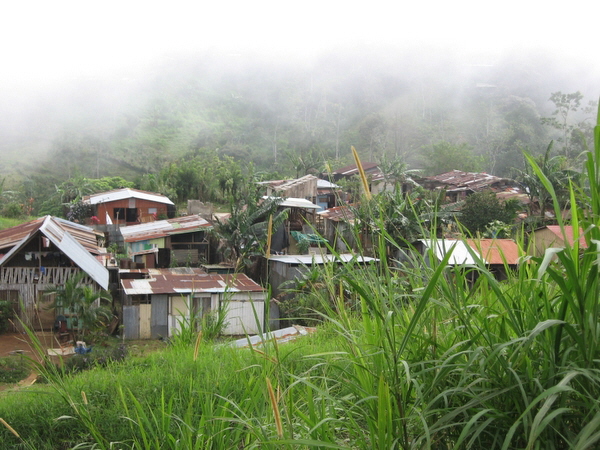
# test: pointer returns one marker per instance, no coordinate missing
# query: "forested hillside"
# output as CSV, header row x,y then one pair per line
x,y
290,119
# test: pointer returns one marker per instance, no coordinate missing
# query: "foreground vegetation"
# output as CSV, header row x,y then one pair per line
x,y
415,356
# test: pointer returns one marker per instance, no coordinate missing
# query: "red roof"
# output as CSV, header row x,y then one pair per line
x,y
496,251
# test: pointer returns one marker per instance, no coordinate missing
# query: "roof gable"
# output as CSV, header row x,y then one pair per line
x,y
57,231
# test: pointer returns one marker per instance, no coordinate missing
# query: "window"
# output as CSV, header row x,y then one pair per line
x,y
126,214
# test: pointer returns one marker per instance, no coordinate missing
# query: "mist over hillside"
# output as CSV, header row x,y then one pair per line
x,y
386,102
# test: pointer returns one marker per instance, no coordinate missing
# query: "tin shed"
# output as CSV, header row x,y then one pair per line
x,y
157,301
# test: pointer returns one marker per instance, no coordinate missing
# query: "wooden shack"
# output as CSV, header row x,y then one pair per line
x,y
43,254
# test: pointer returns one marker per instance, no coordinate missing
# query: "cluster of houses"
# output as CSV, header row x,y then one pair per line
x,y
162,267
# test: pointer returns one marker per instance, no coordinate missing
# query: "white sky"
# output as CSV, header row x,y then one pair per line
x,y
48,40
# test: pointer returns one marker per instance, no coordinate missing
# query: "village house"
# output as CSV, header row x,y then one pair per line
x,y
128,207
551,236
458,185
301,219
285,268
157,301
181,241
321,192
43,254
336,225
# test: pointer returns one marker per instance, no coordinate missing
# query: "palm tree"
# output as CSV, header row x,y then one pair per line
x,y
244,234
85,303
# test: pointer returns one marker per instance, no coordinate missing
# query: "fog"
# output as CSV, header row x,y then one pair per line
x,y
72,63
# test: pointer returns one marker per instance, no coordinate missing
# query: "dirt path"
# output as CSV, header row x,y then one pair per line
x,y
17,343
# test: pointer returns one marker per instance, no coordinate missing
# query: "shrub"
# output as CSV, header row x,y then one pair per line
x,y
6,313
13,369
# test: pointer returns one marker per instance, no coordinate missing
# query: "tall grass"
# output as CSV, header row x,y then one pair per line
x,y
420,355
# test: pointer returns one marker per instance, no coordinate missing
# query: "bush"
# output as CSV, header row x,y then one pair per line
x,y
12,210
6,313
13,369
98,357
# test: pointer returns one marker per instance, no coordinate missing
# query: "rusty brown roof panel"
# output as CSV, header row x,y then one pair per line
x,y
496,251
457,180
10,237
338,214
86,236
188,280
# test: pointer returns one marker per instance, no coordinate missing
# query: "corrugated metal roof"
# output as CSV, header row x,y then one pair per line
x,y
59,233
296,203
496,251
457,180
288,184
324,184
162,228
122,194
10,237
338,214
491,251
460,252
86,236
352,169
185,281
320,258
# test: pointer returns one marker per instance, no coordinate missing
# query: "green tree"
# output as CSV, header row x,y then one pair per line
x,y
567,120
482,208
243,236
445,156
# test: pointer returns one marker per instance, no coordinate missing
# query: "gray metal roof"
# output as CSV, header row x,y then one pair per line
x,y
320,258
122,194
291,202
460,250
76,252
66,243
161,228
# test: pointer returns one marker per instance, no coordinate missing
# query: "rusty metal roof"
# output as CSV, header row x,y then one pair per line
x,y
457,180
342,213
10,237
496,251
162,228
122,194
67,236
187,280
86,236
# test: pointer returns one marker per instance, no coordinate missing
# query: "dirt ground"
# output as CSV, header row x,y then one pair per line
x,y
14,345
11,343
